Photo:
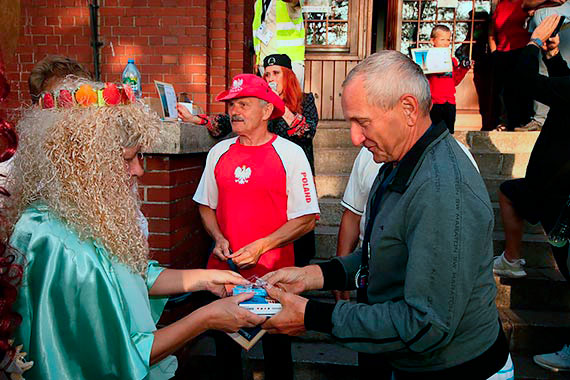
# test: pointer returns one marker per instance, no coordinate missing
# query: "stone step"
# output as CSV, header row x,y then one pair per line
x,y
336,134
335,160
511,142
541,290
332,185
331,213
535,332
340,160
526,369
504,164
319,361
332,138
535,248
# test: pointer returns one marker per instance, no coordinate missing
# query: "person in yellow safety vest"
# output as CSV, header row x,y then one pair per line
x,y
278,28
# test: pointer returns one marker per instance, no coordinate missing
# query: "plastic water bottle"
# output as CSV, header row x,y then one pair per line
x,y
560,233
132,77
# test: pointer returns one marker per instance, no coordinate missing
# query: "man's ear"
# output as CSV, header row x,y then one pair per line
x,y
411,109
267,111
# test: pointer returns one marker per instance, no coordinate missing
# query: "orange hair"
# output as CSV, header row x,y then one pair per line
x,y
292,93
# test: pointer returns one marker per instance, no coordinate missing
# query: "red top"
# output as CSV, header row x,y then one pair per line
x,y
508,22
254,191
442,86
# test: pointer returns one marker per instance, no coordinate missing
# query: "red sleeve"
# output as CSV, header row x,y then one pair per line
x,y
459,72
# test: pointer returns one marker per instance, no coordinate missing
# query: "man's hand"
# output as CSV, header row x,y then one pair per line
x,y
297,280
546,28
222,249
228,316
291,319
213,280
185,115
249,255
552,46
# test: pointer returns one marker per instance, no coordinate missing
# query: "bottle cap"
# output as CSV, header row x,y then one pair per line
x,y
131,60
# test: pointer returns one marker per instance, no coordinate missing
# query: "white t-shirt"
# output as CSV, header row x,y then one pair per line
x,y
362,176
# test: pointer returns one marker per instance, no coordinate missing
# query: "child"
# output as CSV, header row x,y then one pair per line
x,y
442,85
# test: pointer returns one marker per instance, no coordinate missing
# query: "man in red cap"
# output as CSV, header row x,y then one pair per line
x,y
256,197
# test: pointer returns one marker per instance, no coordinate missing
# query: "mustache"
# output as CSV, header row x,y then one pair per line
x,y
237,118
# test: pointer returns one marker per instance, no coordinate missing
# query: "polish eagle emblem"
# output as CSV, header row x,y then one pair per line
x,y
242,174
237,85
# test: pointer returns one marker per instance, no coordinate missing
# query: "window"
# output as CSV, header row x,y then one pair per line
x,y
328,29
468,23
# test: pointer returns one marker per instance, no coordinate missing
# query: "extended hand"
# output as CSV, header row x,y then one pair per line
x,y
185,115
546,27
249,255
213,280
296,280
221,249
291,319
226,314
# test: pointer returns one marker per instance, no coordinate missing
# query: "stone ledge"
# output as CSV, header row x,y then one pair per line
x,y
181,138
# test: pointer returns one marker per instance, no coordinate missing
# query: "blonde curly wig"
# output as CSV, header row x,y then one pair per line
x,y
72,161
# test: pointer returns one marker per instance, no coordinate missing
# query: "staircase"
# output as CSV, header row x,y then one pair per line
x,y
535,310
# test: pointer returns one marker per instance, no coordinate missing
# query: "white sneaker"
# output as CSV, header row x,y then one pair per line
x,y
556,361
505,268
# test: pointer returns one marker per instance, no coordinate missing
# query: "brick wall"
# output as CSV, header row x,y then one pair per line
x,y
176,233
197,45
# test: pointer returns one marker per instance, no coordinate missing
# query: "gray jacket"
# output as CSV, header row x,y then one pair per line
x,y
431,290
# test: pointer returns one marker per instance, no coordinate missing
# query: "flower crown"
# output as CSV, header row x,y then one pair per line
x,y
85,95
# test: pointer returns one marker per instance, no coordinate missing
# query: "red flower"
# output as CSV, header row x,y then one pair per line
x,y
130,94
48,101
111,94
65,99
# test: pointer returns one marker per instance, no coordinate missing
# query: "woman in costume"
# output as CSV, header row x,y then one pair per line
x,y
90,297
298,124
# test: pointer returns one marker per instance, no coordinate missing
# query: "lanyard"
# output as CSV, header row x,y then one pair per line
x,y
386,173
264,6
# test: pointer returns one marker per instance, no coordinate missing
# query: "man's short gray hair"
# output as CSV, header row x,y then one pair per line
x,y
389,74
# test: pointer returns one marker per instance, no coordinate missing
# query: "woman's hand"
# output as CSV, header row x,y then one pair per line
x,y
545,29
185,115
228,316
213,280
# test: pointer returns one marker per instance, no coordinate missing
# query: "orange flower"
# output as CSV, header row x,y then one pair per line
x,y
85,95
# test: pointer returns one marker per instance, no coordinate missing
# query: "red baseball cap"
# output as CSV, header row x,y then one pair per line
x,y
244,85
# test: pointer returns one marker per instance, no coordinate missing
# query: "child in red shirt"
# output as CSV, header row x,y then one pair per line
x,y
442,85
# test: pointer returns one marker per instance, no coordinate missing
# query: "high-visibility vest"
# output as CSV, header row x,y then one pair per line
x,y
290,33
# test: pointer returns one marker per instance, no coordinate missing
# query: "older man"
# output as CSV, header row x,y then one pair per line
x,y
425,284
256,197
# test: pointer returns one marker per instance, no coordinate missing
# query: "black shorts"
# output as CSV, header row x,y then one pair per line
x,y
534,206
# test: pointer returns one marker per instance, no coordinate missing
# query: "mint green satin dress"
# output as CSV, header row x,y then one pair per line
x,y
84,316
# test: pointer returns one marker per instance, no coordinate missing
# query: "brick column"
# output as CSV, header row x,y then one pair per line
x,y
167,187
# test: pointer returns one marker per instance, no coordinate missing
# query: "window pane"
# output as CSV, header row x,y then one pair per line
x,y
483,6
338,33
461,31
340,10
425,30
445,14
428,10
464,10
316,33
409,31
315,16
410,10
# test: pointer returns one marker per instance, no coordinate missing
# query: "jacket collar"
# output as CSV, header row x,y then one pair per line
x,y
407,167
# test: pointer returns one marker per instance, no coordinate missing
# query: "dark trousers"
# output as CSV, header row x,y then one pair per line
x,y
304,248
278,361
373,366
518,106
444,112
